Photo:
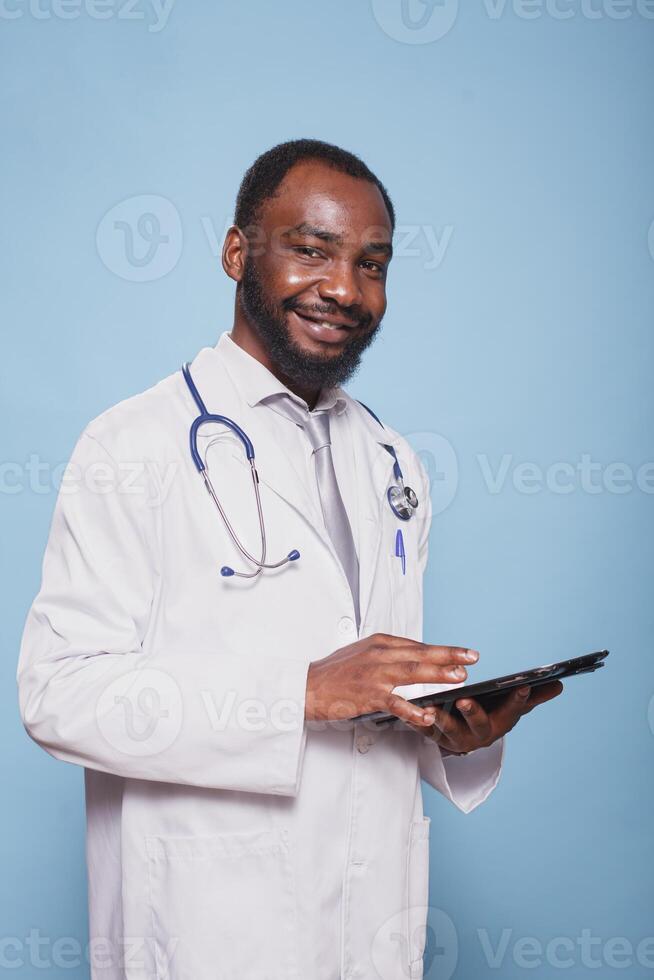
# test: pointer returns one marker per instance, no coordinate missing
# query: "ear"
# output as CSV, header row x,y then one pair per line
x,y
235,252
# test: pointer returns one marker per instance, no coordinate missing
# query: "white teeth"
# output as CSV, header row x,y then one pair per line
x,y
324,325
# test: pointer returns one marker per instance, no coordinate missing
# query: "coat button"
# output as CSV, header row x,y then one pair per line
x,y
346,625
364,742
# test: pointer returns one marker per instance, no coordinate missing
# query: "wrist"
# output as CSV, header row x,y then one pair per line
x,y
311,706
308,698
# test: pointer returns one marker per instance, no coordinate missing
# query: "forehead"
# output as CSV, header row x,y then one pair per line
x,y
318,195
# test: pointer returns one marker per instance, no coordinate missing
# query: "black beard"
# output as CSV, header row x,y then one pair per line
x,y
305,370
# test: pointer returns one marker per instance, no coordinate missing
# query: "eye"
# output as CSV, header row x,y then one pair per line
x,y
374,267
308,250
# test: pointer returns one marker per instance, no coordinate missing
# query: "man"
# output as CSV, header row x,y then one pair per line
x,y
240,825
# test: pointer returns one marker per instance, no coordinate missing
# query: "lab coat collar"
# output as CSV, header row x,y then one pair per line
x,y
256,382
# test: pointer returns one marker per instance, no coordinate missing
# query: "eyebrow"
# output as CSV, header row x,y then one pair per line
x,y
384,247
304,228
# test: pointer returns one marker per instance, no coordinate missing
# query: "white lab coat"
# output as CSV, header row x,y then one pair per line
x,y
226,839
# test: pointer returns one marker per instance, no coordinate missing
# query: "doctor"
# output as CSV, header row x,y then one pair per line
x,y
240,825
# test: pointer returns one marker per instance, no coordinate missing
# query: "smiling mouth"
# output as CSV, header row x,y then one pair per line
x,y
330,330
327,322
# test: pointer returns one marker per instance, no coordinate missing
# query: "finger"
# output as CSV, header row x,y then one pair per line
x,y
522,700
415,672
446,723
405,649
541,694
475,717
411,713
429,731
510,709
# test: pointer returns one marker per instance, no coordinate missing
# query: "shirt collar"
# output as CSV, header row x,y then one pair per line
x,y
256,382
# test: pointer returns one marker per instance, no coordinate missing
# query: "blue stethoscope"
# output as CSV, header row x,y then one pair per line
x,y
402,500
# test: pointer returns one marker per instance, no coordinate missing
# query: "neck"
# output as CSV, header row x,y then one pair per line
x,y
243,335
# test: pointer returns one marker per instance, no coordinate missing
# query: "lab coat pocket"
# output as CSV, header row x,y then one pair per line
x,y
417,895
223,907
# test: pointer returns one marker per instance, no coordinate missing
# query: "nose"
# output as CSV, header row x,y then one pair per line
x,y
341,285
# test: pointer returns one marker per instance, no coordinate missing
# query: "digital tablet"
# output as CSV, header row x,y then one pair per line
x,y
486,692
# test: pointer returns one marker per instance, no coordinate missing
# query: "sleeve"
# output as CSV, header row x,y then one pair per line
x,y
464,780
88,692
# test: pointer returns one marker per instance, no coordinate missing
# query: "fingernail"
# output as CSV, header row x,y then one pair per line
x,y
472,656
523,692
465,706
458,672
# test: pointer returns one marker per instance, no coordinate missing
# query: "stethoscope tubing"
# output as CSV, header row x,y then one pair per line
x,y
203,418
403,512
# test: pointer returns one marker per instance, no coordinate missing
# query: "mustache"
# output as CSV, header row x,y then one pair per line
x,y
352,314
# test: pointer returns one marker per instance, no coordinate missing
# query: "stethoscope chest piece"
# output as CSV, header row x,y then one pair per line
x,y
403,501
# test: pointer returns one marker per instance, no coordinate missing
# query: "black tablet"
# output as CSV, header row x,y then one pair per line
x,y
487,691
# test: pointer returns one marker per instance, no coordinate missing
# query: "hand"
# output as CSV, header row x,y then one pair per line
x,y
360,678
477,728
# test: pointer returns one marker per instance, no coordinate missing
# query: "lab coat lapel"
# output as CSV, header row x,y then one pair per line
x,y
374,466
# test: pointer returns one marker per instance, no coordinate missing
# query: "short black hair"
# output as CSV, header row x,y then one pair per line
x,y
268,171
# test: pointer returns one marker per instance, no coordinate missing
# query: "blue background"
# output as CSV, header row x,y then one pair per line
x,y
525,145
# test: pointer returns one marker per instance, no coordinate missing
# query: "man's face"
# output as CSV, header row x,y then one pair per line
x,y
314,281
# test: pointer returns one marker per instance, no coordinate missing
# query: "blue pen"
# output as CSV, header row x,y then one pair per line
x,y
399,549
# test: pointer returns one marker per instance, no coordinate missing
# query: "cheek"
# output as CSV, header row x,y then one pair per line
x,y
286,279
374,299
